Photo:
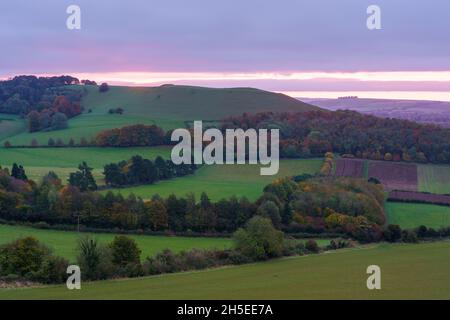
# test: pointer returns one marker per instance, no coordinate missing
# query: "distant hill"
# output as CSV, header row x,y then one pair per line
x,y
168,106
435,112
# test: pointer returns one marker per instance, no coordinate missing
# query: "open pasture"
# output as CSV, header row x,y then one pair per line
x,y
223,181
409,271
64,243
413,215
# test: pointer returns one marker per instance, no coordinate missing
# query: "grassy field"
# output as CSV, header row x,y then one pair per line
x,y
434,178
10,125
166,106
412,215
64,243
413,271
39,161
223,181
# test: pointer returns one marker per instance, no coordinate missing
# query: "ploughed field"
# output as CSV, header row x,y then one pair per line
x,y
409,271
395,176
350,168
398,175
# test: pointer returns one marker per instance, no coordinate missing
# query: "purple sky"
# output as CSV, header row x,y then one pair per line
x,y
245,36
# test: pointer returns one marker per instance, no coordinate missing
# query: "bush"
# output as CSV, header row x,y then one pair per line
x,y
409,236
163,262
125,251
94,260
259,240
312,246
28,259
392,233
53,270
22,256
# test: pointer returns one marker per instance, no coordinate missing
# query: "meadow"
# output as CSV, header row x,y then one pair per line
x,y
64,243
39,161
413,215
409,271
223,181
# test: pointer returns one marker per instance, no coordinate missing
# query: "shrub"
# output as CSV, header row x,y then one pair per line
x,y
392,233
409,236
125,251
22,256
259,239
312,246
94,260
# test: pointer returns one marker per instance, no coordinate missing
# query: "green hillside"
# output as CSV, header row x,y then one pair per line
x,y
168,106
409,271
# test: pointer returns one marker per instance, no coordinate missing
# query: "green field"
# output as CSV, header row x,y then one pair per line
x,y
434,178
223,181
408,271
39,161
64,243
166,106
412,215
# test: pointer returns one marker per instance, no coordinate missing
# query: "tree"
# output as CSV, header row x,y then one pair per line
x,y
22,256
94,260
51,142
103,87
18,172
83,178
125,251
33,121
259,240
157,212
7,144
34,143
59,121
270,210
393,233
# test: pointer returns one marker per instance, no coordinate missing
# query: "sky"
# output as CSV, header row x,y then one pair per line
x,y
285,46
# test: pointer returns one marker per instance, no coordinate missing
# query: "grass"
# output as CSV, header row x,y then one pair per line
x,y
39,161
223,181
166,106
64,243
434,178
10,125
408,271
412,215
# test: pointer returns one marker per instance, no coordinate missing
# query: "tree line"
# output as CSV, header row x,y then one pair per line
x,y
314,133
138,170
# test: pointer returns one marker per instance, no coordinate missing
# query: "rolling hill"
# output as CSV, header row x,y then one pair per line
x,y
168,106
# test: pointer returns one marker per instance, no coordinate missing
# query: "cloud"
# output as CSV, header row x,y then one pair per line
x,y
223,36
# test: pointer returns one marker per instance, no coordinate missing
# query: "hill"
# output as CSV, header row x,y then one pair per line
x,y
432,112
168,106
